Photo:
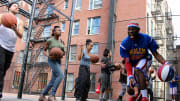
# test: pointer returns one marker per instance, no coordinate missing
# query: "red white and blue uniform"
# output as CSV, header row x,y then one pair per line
x,y
136,53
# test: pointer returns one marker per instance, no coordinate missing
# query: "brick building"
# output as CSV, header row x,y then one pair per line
x,y
103,21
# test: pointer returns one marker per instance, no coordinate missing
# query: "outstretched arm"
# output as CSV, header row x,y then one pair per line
x,y
159,57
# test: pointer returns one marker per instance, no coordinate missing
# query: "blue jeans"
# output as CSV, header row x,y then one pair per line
x,y
56,78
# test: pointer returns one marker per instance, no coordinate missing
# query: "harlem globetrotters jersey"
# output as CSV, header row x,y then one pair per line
x,y
138,49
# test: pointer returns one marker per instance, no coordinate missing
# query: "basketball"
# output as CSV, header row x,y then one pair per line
x,y
130,91
165,73
8,20
56,52
94,58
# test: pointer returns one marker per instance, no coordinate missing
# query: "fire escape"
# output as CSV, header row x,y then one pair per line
x,y
42,17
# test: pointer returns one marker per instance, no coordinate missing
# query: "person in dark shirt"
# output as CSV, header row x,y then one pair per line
x,y
106,68
123,81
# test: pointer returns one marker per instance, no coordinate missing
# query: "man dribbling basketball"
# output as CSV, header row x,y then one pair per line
x,y
8,37
134,50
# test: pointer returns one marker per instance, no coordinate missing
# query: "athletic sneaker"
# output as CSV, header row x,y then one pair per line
x,y
52,98
42,98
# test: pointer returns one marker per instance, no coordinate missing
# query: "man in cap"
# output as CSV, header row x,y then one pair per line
x,y
135,51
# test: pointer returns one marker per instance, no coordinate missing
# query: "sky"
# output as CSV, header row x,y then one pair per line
x,y
175,8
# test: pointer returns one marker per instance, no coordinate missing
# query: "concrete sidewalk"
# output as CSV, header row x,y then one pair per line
x,y
25,97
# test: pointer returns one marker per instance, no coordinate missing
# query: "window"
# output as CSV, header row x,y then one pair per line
x,y
21,54
75,30
46,32
93,82
94,50
72,56
78,4
42,80
33,33
16,79
24,36
63,27
29,56
93,26
65,5
69,82
36,12
95,4
42,57
49,10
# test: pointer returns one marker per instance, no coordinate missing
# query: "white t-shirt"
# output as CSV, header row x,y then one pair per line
x,y
8,38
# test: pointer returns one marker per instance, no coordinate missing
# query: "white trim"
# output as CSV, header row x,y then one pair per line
x,y
122,47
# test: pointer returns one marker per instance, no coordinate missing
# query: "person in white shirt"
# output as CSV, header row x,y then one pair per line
x,y
8,37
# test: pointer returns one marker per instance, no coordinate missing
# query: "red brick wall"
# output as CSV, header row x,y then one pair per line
x,y
124,10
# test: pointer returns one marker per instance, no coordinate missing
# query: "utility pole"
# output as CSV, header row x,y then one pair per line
x,y
110,40
67,51
23,69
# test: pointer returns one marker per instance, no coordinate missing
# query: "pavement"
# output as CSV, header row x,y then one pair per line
x,y
26,97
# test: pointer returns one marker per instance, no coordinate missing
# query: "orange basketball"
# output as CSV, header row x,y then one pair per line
x,y
8,20
94,58
56,52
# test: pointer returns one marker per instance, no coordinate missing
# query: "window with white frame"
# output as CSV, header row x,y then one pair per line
x,y
93,82
63,27
25,35
75,30
93,25
69,82
72,56
42,57
32,33
78,4
24,38
21,54
49,10
94,50
95,4
46,32
36,12
65,5
29,56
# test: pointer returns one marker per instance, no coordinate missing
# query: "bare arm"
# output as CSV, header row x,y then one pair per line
x,y
20,30
159,57
123,72
81,54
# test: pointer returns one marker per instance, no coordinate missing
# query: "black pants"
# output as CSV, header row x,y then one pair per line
x,y
150,92
5,62
82,83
